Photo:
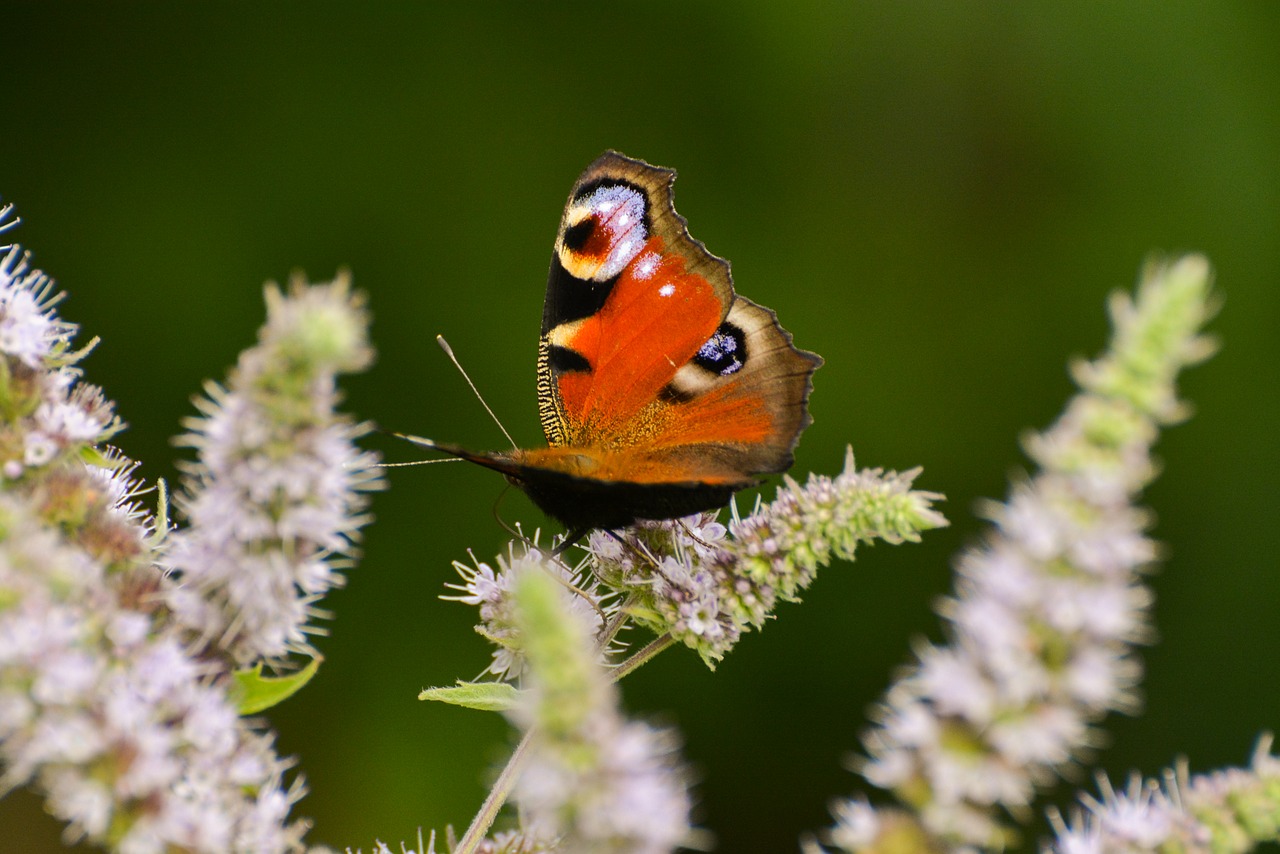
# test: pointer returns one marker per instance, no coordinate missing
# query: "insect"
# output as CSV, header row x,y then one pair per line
x,y
661,392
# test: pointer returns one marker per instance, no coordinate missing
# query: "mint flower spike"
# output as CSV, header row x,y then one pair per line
x,y
490,590
277,495
706,584
1046,614
105,710
1235,809
594,782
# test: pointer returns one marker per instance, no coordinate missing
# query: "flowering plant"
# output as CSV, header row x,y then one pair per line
x,y
132,647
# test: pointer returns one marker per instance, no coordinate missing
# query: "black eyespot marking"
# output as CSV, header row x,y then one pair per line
x,y
563,360
576,236
725,352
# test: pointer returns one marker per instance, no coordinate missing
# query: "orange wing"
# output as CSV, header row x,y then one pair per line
x,y
647,357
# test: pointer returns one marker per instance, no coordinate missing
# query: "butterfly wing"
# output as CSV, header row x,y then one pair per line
x,y
646,351
661,392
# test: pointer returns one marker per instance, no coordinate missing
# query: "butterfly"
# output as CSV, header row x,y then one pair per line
x,y
661,392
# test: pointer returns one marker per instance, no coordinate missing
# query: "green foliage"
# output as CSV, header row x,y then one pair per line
x,y
485,696
257,693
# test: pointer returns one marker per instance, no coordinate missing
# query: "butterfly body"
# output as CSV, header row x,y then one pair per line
x,y
588,488
661,392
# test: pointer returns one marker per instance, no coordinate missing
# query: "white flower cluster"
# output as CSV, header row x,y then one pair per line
x,y
595,782
115,721
106,708
1235,809
706,585
1046,614
30,331
1041,637
490,590
627,799
278,489
67,414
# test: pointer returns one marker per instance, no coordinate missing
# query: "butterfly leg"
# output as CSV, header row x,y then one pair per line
x,y
571,537
634,548
688,532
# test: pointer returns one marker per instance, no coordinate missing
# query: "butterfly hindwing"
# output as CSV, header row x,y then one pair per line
x,y
630,298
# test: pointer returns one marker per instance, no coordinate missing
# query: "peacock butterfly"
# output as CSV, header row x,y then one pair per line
x,y
661,392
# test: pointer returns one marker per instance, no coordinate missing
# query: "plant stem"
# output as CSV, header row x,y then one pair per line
x,y
611,629
644,656
497,797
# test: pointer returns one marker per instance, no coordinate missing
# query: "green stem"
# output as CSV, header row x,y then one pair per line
x,y
614,626
644,656
502,787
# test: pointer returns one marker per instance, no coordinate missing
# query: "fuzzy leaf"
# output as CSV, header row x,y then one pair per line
x,y
256,692
486,696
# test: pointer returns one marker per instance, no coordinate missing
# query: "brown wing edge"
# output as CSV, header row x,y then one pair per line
x,y
773,361
806,363
658,183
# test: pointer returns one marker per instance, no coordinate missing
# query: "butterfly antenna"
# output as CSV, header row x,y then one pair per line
x,y
448,351
571,538
418,463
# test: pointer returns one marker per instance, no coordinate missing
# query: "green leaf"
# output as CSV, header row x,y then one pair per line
x,y
255,692
486,696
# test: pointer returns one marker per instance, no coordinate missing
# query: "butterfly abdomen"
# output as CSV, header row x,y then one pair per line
x,y
581,503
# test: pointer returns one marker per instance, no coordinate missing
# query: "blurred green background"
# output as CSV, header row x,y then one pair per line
x,y
937,197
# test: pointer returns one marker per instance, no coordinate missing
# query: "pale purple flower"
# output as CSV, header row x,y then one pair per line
x,y
1045,613
1142,818
595,782
1234,809
706,584
276,498
67,414
857,824
30,331
490,589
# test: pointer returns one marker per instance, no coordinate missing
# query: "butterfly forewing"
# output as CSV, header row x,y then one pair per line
x,y
645,346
